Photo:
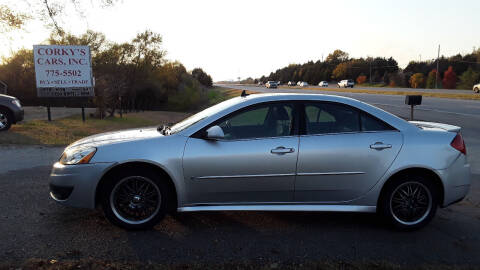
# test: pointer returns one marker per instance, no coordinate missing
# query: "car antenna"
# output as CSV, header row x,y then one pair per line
x,y
244,93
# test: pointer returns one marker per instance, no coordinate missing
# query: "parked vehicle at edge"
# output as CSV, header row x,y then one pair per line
x,y
291,83
271,84
303,84
269,152
279,83
346,83
476,88
323,84
11,112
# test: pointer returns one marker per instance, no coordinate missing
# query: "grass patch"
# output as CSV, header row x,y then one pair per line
x,y
67,130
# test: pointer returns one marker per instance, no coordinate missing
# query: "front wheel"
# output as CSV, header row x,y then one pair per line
x,y
476,90
410,202
135,200
6,120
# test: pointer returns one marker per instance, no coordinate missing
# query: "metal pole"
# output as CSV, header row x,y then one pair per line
x,y
411,112
83,114
49,114
436,75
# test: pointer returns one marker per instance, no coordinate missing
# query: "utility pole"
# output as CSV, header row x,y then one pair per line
x,y
370,71
436,74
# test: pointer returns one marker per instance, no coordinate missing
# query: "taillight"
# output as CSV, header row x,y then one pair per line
x,y
459,144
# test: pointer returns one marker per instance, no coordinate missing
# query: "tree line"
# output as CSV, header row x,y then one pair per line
x,y
134,75
458,71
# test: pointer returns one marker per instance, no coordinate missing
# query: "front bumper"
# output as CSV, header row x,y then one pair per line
x,y
75,185
456,180
18,115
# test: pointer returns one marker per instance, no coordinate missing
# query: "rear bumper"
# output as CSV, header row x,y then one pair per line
x,y
456,181
76,185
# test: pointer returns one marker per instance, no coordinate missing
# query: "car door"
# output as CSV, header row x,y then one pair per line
x,y
343,153
254,163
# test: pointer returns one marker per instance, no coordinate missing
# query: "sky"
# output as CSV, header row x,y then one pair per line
x,y
231,39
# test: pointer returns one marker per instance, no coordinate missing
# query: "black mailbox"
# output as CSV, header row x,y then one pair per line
x,y
413,100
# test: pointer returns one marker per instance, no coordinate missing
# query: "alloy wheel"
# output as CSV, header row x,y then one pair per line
x,y
410,203
135,200
3,121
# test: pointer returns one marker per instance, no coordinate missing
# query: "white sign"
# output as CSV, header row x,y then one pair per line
x,y
63,71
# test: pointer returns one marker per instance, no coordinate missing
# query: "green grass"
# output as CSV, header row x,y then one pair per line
x,y
67,130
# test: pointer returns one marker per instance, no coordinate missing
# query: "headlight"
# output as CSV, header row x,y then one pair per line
x,y
16,102
77,156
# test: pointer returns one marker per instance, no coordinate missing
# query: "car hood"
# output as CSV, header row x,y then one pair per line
x,y
116,137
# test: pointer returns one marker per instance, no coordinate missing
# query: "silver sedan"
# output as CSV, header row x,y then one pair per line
x,y
269,152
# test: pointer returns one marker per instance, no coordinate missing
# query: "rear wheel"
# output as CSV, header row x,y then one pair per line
x,y
476,90
135,200
409,202
6,119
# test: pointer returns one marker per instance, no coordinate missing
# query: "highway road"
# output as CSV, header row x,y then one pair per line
x,y
459,112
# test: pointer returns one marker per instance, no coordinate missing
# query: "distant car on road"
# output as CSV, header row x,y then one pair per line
x,y
271,84
303,84
346,83
323,84
279,83
291,83
269,152
11,112
259,83
476,88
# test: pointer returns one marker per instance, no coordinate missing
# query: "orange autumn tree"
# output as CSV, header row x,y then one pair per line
x,y
449,79
361,79
417,80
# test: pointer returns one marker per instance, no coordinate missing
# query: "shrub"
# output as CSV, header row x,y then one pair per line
x,y
431,79
468,79
417,80
449,78
361,79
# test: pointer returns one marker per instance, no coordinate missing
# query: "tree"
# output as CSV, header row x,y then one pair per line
x,y
468,79
449,78
47,11
337,57
417,80
431,79
361,79
203,77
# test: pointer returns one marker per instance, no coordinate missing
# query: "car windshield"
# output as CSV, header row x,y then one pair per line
x,y
201,115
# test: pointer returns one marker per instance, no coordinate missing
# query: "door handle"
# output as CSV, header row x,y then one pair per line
x,y
282,150
380,146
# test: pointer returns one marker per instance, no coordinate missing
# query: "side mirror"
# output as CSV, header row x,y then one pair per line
x,y
215,133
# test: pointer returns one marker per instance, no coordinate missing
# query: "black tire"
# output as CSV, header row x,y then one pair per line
x,y
114,204
6,119
476,90
427,193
